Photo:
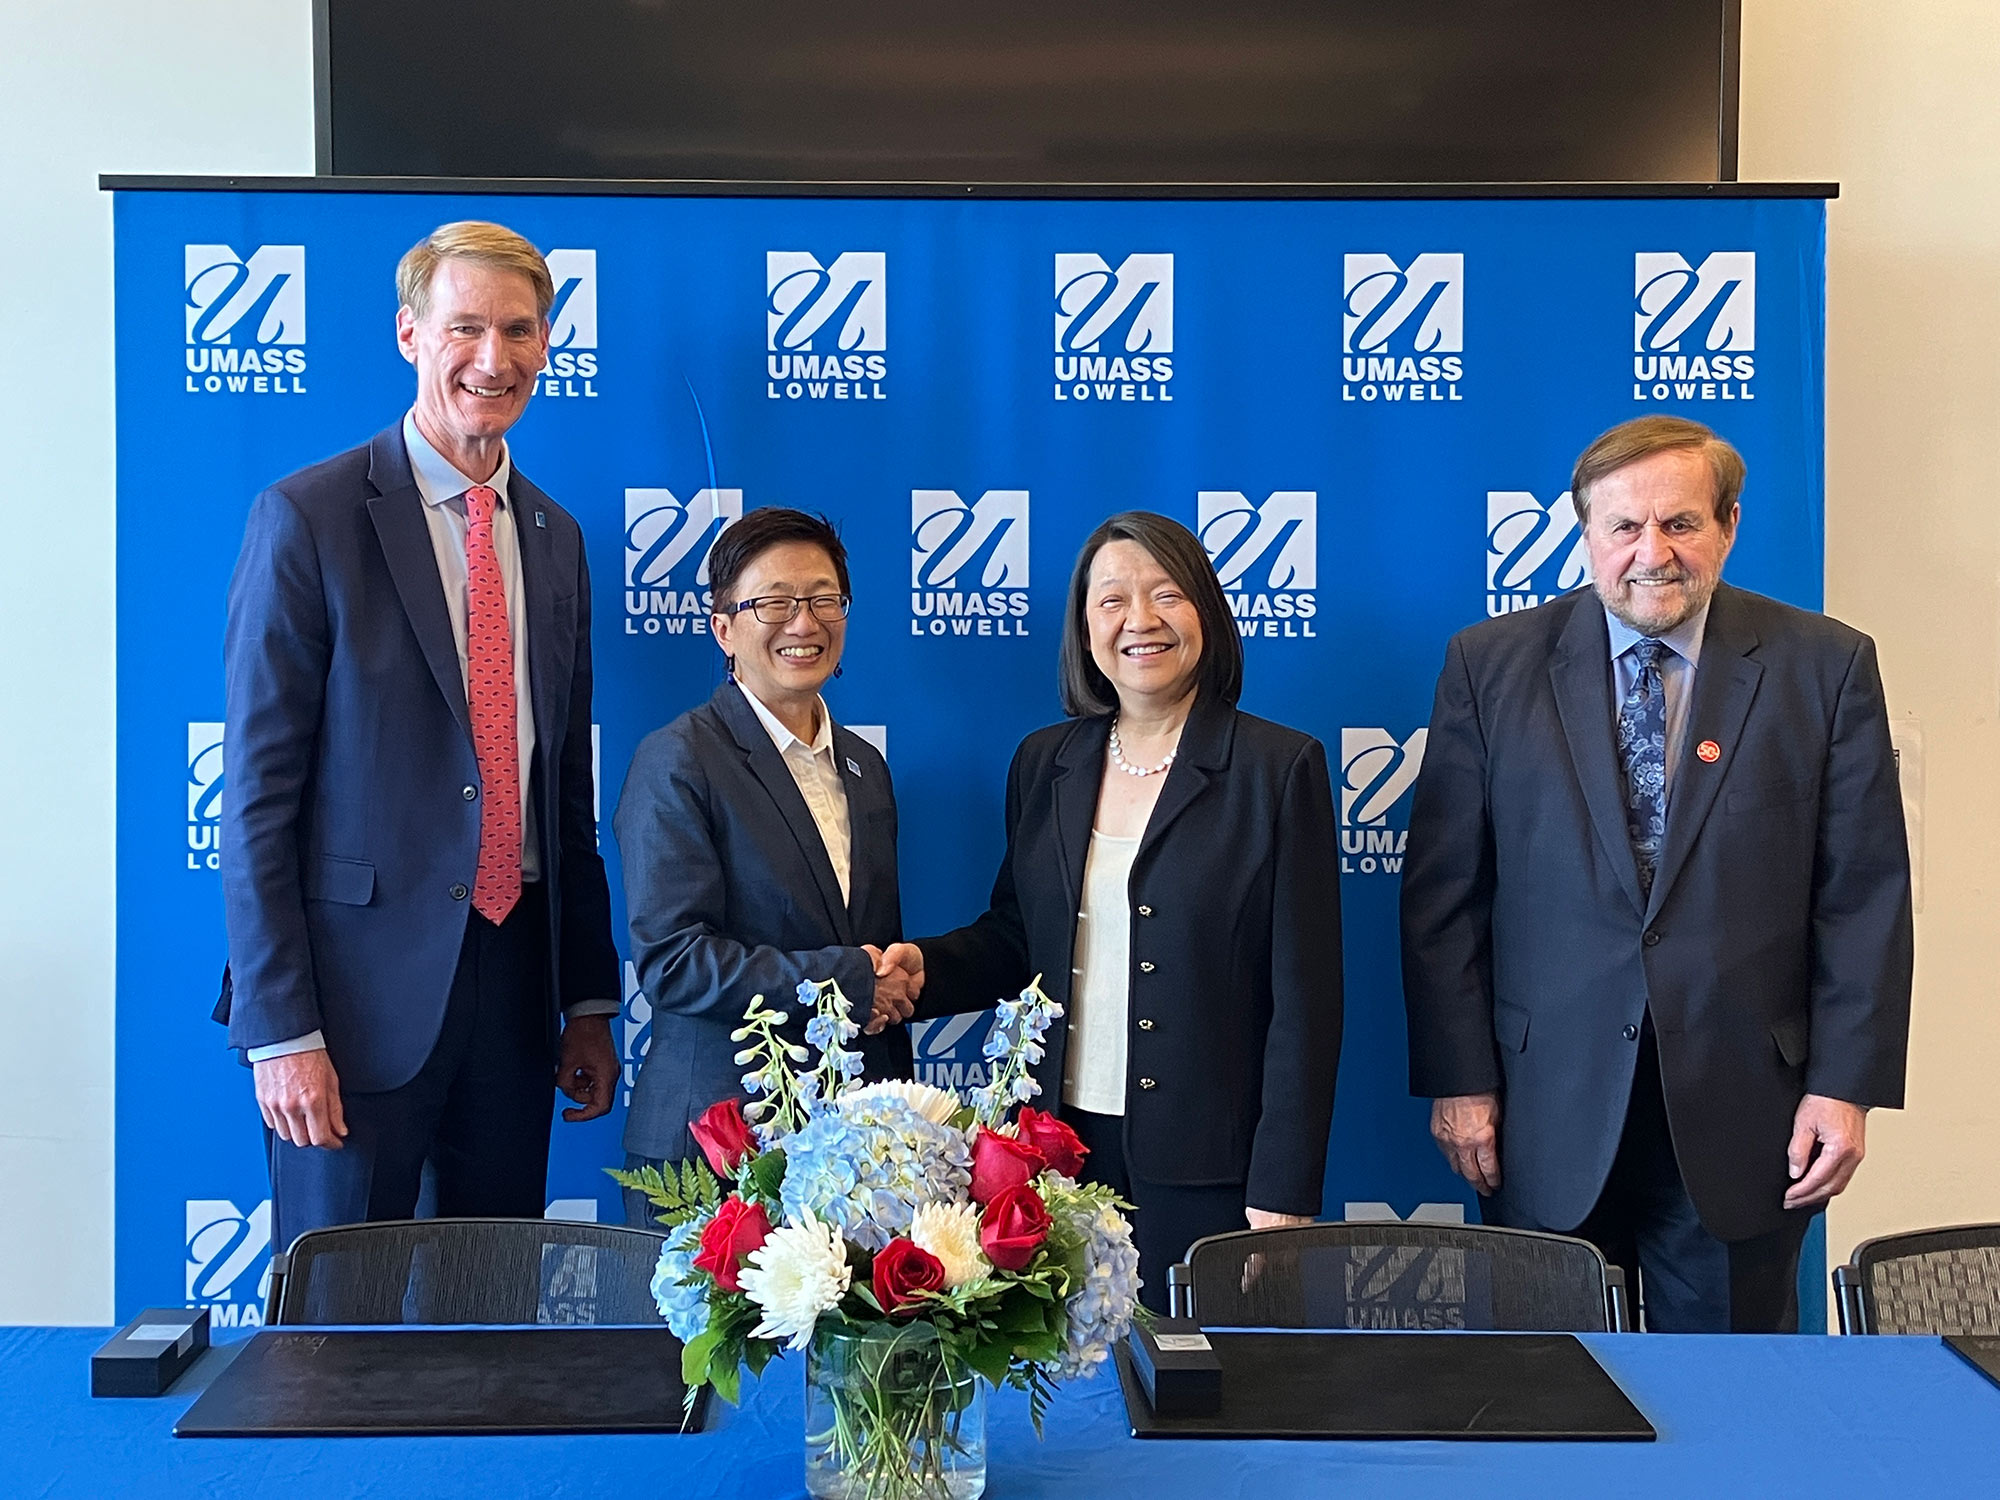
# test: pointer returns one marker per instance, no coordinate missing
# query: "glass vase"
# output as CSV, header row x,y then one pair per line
x,y
891,1415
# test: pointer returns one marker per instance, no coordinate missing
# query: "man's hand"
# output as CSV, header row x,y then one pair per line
x,y
1467,1130
899,979
299,1095
1260,1218
1839,1129
587,1070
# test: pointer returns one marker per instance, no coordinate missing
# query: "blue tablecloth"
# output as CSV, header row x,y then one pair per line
x,y
1765,1417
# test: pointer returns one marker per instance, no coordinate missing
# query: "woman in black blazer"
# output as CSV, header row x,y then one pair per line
x,y
1172,874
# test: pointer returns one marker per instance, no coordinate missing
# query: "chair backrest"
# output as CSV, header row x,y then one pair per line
x,y
511,1271
1403,1276
1934,1281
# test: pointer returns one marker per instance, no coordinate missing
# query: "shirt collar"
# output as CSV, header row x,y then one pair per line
x,y
438,479
1684,639
783,738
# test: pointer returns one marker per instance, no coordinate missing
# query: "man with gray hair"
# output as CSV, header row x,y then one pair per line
x,y
1656,907
419,929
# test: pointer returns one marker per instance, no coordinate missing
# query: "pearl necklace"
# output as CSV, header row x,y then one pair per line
x,y
1118,757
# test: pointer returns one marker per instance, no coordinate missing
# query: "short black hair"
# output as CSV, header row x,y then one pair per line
x,y
1086,691
742,542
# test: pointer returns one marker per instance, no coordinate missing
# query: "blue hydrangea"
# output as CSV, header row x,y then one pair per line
x,y
869,1165
684,1306
1099,1312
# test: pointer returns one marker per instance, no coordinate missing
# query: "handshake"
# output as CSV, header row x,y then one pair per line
x,y
899,979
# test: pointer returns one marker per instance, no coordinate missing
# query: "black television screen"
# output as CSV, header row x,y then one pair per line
x,y
995,91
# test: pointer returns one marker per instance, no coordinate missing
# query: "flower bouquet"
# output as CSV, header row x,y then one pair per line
x,y
921,1248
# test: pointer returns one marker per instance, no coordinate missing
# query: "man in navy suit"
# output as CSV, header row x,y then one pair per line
x,y
759,841
411,880
1656,908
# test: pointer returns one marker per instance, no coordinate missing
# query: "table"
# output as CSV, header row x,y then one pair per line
x,y
1805,1416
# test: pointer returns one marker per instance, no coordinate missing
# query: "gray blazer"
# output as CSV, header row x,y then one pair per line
x,y
730,894
1774,952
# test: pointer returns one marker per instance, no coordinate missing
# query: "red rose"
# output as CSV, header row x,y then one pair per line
x,y
1013,1227
724,1136
737,1229
1058,1144
902,1269
1000,1162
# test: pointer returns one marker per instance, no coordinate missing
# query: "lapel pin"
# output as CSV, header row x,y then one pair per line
x,y
851,766
1708,750
542,519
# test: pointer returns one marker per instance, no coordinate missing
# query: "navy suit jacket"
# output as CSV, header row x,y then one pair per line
x,y
731,894
1773,953
350,831
1234,1019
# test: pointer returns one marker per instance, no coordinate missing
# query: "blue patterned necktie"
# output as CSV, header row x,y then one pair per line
x,y
1642,746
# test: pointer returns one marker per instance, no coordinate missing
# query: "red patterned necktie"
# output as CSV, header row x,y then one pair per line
x,y
489,691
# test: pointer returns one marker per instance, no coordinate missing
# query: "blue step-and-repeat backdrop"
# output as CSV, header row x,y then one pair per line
x,y
1367,409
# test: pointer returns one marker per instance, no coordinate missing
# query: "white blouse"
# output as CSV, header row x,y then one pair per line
x,y
1100,984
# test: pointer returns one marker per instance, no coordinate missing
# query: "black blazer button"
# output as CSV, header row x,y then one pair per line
x,y
469,793
1651,940
1631,1033
459,893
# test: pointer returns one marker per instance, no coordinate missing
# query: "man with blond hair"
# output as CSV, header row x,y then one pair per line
x,y
420,941
1656,908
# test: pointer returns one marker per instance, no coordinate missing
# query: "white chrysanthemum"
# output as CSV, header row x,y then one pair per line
x,y
950,1231
934,1104
793,1277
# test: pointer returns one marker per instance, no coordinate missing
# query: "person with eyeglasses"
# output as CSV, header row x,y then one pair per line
x,y
758,840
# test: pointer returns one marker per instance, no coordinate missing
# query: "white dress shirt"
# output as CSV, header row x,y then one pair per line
x,y
818,776
443,489
1101,983
1677,668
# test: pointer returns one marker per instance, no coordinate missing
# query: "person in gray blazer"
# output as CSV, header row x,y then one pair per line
x,y
1656,906
758,841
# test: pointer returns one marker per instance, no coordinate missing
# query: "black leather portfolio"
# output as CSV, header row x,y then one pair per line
x,y
1980,1350
1401,1385
424,1381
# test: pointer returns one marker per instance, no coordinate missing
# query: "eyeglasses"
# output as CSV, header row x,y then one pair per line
x,y
782,609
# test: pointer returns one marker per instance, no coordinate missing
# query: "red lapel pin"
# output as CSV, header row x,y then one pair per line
x,y
1708,750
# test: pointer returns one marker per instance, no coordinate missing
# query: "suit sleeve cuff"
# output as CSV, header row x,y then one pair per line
x,y
591,1008
312,1041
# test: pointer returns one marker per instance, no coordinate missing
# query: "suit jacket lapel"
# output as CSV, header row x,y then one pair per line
x,y
398,515
768,766
1725,683
1079,770
1204,748
1580,675
538,583
866,796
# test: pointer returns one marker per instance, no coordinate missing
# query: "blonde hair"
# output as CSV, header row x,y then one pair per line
x,y
1642,437
483,244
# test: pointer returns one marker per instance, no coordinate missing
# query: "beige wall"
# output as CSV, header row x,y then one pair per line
x,y
1896,102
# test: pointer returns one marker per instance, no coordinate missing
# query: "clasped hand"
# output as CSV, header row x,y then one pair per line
x,y
899,979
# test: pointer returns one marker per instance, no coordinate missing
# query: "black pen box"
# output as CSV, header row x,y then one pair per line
x,y
1177,1368
150,1353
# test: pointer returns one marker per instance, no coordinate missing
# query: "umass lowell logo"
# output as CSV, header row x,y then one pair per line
x,y
826,326
1694,327
1267,556
572,369
1402,328
228,1260
245,320
1534,551
204,795
666,558
1114,327
968,563
1377,771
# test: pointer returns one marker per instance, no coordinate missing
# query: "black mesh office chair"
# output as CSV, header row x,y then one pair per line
x,y
1935,1281
510,1271
1399,1275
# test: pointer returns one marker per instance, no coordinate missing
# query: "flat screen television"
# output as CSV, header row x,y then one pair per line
x,y
1030,91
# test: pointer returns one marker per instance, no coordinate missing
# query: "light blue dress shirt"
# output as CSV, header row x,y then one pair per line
x,y
1677,668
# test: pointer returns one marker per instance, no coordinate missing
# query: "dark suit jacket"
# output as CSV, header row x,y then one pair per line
x,y
351,827
731,895
1235,1014
1773,954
